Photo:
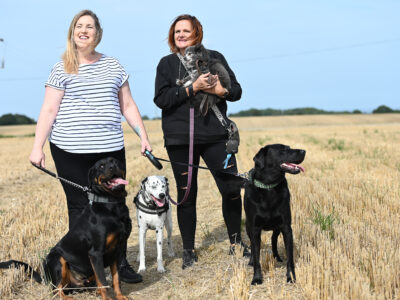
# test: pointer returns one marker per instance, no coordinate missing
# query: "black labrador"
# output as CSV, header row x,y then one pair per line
x,y
267,203
95,241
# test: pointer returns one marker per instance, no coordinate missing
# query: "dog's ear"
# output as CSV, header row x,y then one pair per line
x,y
198,47
259,158
143,183
91,175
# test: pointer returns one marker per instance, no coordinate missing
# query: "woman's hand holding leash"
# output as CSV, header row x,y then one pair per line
x,y
153,160
145,146
37,158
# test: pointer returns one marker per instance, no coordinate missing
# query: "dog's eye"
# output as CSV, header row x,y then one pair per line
x,y
101,166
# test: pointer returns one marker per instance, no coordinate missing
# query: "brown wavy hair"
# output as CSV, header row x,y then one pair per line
x,y
70,56
197,31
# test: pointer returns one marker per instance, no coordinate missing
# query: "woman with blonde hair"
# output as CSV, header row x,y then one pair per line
x,y
85,97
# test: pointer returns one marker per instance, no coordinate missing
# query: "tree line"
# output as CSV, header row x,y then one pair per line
x,y
305,111
17,119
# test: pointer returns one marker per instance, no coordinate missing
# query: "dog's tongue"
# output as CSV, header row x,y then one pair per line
x,y
294,166
116,181
159,203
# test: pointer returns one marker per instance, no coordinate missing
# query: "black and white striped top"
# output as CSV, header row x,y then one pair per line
x,y
89,118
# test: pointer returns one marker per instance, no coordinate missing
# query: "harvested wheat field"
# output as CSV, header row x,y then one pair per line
x,y
345,211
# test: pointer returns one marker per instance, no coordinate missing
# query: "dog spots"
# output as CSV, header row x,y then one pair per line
x,y
159,243
156,231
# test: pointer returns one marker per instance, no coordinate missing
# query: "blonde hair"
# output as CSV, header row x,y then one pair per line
x,y
70,56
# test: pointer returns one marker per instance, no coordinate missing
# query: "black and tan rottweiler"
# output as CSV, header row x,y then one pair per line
x,y
267,203
95,241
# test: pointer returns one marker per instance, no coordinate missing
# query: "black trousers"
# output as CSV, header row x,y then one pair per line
x,y
213,155
75,167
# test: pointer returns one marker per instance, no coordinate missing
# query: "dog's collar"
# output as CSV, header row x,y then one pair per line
x,y
101,199
148,210
260,184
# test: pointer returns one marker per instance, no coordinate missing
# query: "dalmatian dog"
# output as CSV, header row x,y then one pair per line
x,y
153,212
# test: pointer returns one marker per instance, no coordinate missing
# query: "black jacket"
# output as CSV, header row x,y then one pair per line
x,y
174,102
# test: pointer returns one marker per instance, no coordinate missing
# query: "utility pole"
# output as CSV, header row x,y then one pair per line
x,y
2,59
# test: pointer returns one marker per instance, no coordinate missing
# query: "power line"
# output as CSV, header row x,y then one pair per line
x,y
308,52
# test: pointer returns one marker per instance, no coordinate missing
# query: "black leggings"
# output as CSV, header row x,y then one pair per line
x,y
213,155
75,167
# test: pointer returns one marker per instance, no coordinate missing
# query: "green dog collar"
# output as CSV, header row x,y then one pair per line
x,y
259,184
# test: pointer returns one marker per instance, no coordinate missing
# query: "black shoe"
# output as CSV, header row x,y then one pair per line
x,y
127,274
246,249
189,258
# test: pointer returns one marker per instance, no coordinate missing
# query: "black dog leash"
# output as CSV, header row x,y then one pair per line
x,y
83,188
156,159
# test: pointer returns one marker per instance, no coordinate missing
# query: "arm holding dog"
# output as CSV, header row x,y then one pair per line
x,y
167,94
235,92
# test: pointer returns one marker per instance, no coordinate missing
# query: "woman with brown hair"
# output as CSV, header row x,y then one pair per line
x,y
209,136
86,95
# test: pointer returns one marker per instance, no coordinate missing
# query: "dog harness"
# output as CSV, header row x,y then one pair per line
x,y
147,209
258,183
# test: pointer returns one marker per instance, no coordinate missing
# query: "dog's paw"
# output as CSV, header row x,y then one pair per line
x,y
141,269
290,279
256,280
160,269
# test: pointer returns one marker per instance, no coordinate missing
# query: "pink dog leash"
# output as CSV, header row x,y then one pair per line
x,y
190,167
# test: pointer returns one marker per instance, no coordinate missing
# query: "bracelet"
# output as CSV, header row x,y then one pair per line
x,y
191,92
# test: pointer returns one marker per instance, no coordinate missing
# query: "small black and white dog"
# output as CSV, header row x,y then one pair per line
x,y
153,212
198,61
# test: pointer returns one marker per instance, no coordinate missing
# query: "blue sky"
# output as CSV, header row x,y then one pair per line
x,y
333,55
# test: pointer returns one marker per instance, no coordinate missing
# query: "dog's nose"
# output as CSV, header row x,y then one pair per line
x,y
161,196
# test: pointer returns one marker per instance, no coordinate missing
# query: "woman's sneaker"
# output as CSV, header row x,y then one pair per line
x,y
189,258
127,274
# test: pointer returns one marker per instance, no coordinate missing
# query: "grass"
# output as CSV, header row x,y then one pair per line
x,y
335,144
345,212
325,222
2,136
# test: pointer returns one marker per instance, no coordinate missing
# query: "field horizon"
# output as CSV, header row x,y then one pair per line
x,y
345,214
